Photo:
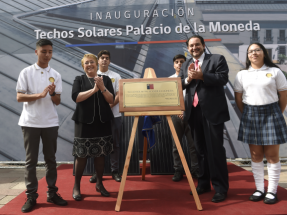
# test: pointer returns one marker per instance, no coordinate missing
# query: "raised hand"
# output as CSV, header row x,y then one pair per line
x,y
99,82
51,88
44,93
95,89
190,70
197,74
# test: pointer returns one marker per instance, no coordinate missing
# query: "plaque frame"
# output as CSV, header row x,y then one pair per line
x,y
150,108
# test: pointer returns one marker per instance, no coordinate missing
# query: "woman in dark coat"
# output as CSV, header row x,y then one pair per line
x,y
93,134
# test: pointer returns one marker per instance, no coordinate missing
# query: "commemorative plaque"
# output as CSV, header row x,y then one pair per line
x,y
151,94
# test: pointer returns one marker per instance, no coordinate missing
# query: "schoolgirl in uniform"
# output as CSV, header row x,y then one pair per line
x,y
261,96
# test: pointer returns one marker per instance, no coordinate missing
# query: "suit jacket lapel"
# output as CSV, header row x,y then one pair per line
x,y
205,62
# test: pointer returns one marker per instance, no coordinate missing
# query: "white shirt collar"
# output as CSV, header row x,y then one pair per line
x,y
201,58
264,67
103,73
47,69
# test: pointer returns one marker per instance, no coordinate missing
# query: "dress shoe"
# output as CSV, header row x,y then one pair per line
x,y
116,176
270,201
201,190
93,179
218,197
257,198
177,175
77,197
56,199
29,204
195,174
101,189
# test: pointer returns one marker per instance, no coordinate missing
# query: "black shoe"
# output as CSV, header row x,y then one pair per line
x,y
270,201
116,176
29,204
101,189
257,198
177,175
77,197
201,190
195,174
93,179
218,197
56,199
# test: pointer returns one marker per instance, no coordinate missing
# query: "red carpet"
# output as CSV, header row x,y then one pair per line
x,y
157,195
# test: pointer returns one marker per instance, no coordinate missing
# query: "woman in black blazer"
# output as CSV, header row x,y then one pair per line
x,y
93,134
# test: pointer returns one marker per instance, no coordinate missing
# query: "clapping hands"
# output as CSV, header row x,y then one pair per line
x,y
194,73
51,88
99,82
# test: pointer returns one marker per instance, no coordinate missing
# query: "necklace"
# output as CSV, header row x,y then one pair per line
x,y
90,80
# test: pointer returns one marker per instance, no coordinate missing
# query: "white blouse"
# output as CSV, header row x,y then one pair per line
x,y
260,86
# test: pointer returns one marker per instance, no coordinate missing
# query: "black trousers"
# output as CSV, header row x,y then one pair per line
x,y
208,140
182,128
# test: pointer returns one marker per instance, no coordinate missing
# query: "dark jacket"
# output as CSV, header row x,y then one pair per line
x,y
85,110
210,92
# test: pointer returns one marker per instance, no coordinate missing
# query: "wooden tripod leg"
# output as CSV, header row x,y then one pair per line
x,y
127,163
144,158
184,163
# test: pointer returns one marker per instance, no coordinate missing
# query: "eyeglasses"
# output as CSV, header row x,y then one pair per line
x,y
89,62
254,50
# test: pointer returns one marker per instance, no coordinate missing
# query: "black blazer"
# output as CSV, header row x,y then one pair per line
x,y
210,92
85,110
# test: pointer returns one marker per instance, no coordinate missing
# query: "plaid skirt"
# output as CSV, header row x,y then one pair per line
x,y
262,125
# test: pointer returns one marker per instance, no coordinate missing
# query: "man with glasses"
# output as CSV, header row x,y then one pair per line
x,y
39,87
104,60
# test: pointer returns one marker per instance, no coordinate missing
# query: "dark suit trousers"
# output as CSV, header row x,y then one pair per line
x,y
31,143
208,140
182,128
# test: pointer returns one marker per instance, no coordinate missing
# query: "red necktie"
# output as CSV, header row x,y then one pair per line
x,y
195,98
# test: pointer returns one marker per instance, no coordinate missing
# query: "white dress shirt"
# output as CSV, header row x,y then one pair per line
x,y
115,77
175,76
42,112
260,86
200,61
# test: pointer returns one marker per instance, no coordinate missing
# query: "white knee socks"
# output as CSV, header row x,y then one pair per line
x,y
273,178
258,174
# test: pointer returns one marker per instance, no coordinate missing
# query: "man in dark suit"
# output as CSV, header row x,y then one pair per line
x,y
203,76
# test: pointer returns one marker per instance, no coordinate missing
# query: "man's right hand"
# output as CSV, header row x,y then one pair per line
x,y
189,72
44,93
180,116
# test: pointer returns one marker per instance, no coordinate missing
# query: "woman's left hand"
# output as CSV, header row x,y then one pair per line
x,y
99,82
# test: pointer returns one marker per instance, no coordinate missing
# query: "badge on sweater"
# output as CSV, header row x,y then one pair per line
x,y
113,80
268,75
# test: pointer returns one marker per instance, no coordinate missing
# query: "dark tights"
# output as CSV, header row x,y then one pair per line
x,y
80,164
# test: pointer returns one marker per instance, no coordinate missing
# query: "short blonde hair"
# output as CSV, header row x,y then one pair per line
x,y
89,56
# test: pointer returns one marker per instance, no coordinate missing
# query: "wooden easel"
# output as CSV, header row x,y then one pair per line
x,y
149,73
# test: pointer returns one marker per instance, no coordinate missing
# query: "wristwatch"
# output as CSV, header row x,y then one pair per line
x,y
53,94
104,90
